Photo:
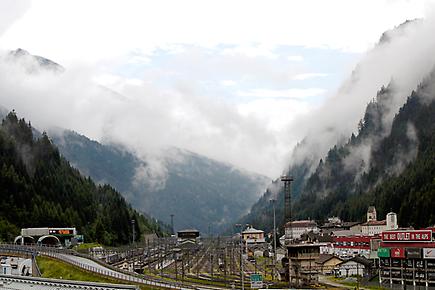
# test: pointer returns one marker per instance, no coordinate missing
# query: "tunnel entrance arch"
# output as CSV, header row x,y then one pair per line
x,y
24,240
49,240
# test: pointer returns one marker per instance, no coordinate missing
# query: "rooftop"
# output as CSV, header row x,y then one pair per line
x,y
252,230
375,223
188,231
326,257
301,224
371,209
307,245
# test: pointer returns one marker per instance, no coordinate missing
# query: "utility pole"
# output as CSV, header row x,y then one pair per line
x,y
172,224
357,276
176,268
241,257
134,233
274,239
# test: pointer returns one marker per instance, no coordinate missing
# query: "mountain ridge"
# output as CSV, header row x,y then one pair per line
x,y
39,188
198,190
370,156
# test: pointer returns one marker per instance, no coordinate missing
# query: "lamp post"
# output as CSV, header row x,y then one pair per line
x,y
274,237
172,225
241,256
132,225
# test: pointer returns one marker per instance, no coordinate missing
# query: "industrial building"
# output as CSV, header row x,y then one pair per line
x,y
301,264
295,229
188,238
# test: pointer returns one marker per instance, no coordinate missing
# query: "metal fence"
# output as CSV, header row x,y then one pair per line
x,y
19,282
67,256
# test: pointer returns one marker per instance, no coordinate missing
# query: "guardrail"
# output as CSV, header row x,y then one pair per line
x,y
104,270
8,279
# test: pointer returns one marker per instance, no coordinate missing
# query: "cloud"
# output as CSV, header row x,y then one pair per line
x,y
164,70
228,83
108,28
334,121
251,51
289,93
276,113
145,117
295,58
10,12
306,76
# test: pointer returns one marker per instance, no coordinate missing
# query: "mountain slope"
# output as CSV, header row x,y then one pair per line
x,y
200,192
332,164
33,63
392,168
177,182
39,188
401,174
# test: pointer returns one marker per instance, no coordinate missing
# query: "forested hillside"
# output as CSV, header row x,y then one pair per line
x,y
39,188
400,175
200,192
391,167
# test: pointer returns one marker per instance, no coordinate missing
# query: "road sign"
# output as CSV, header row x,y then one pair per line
x,y
429,253
383,252
256,281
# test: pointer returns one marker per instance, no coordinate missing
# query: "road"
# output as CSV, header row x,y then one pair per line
x,y
324,280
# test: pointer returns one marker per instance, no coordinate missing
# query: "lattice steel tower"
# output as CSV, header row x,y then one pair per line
x,y
287,180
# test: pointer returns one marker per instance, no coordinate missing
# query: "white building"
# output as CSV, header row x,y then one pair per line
x,y
295,229
353,267
371,214
253,236
16,266
374,227
392,221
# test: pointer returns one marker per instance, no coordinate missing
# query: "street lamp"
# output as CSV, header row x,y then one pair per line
x,y
132,225
274,237
172,225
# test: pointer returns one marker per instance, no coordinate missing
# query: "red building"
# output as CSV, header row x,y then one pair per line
x,y
350,246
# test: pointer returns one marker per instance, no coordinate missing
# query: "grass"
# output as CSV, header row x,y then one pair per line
x,y
86,246
354,284
51,268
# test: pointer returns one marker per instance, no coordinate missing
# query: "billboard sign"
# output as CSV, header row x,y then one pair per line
x,y
407,236
429,253
61,232
383,252
413,253
397,253
256,281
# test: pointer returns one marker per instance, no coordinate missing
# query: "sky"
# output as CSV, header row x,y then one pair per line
x,y
237,81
